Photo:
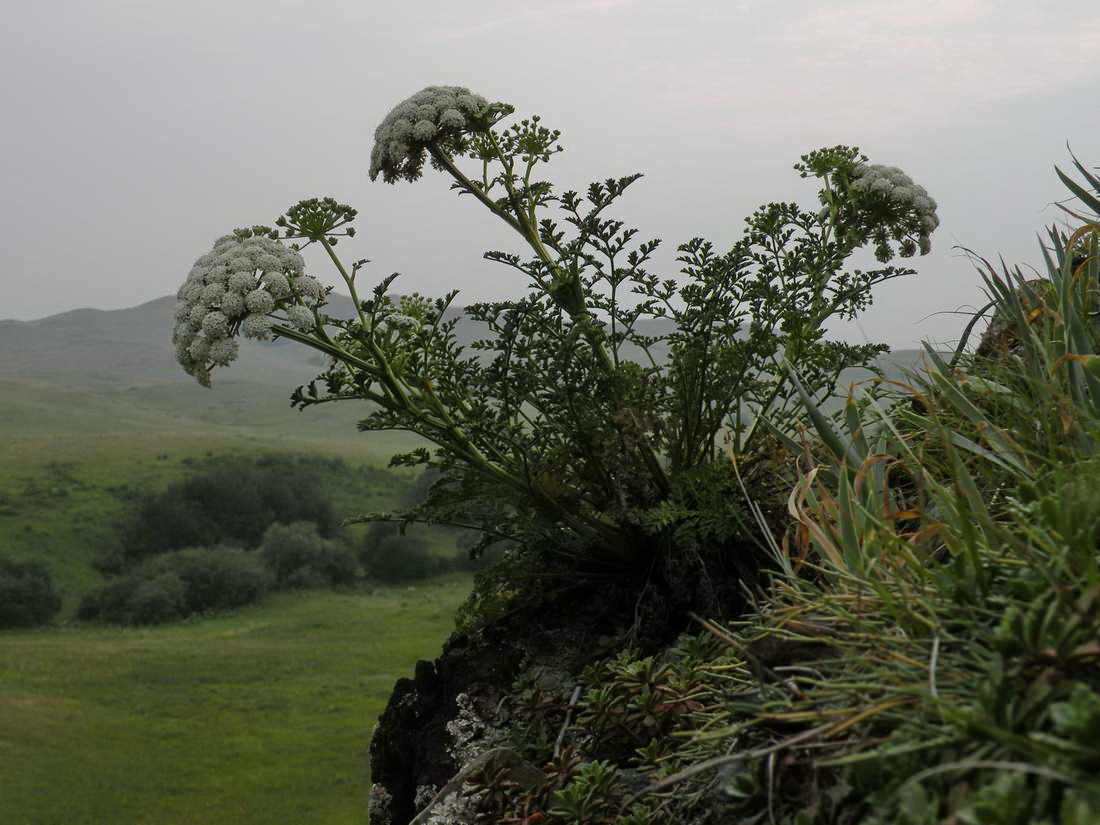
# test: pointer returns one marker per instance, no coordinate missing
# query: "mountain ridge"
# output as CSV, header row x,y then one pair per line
x,y
89,368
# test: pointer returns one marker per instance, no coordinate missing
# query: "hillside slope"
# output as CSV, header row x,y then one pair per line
x,y
92,370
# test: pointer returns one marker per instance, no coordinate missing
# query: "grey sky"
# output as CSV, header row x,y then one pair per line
x,y
135,132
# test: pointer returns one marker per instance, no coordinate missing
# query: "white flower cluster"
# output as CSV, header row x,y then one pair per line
x,y
894,184
434,113
235,287
399,323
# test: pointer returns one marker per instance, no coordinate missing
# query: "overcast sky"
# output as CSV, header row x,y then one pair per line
x,y
135,132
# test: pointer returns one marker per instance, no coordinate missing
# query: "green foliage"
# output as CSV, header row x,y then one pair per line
x,y
706,508
28,596
638,704
299,556
594,796
575,792
1078,717
232,499
501,589
175,585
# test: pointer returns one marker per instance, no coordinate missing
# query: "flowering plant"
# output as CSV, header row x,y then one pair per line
x,y
591,418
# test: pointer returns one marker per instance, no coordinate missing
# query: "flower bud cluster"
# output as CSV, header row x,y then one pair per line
x,y
400,321
318,219
439,114
235,288
395,327
890,186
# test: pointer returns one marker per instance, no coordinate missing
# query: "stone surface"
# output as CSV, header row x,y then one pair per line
x,y
412,748
517,770
411,745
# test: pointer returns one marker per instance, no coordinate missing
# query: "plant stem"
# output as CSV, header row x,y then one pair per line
x,y
522,222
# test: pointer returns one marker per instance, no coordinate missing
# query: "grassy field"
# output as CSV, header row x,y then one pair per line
x,y
259,717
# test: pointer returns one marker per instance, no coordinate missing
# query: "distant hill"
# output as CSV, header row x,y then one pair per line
x,y
132,343
92,370
89,370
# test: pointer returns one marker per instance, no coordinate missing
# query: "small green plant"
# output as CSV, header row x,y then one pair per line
x,y
637,704
584,412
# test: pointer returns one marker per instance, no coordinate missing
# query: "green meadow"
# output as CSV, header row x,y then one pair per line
x,y
262,716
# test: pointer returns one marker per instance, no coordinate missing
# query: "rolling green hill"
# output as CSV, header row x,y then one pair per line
x,y
95,371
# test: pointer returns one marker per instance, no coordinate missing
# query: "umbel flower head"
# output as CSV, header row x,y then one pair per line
x,y
235,287
877,203
439,115
887,189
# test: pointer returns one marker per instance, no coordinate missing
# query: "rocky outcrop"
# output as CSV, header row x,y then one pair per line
x,y
411,747
558,626
420,741
504,763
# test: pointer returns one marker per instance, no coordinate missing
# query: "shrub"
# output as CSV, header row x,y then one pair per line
x,y
28,596
392,557
231,499
159,598
175,585
299,556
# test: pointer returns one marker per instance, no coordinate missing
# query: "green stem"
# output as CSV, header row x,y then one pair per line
x,y
521,222
457,441
444,160
389,379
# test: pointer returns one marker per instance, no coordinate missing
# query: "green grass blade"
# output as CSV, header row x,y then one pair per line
x,y
1083,194
843,452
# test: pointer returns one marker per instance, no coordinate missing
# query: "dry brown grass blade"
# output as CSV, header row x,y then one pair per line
x,y
796,506
867,713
